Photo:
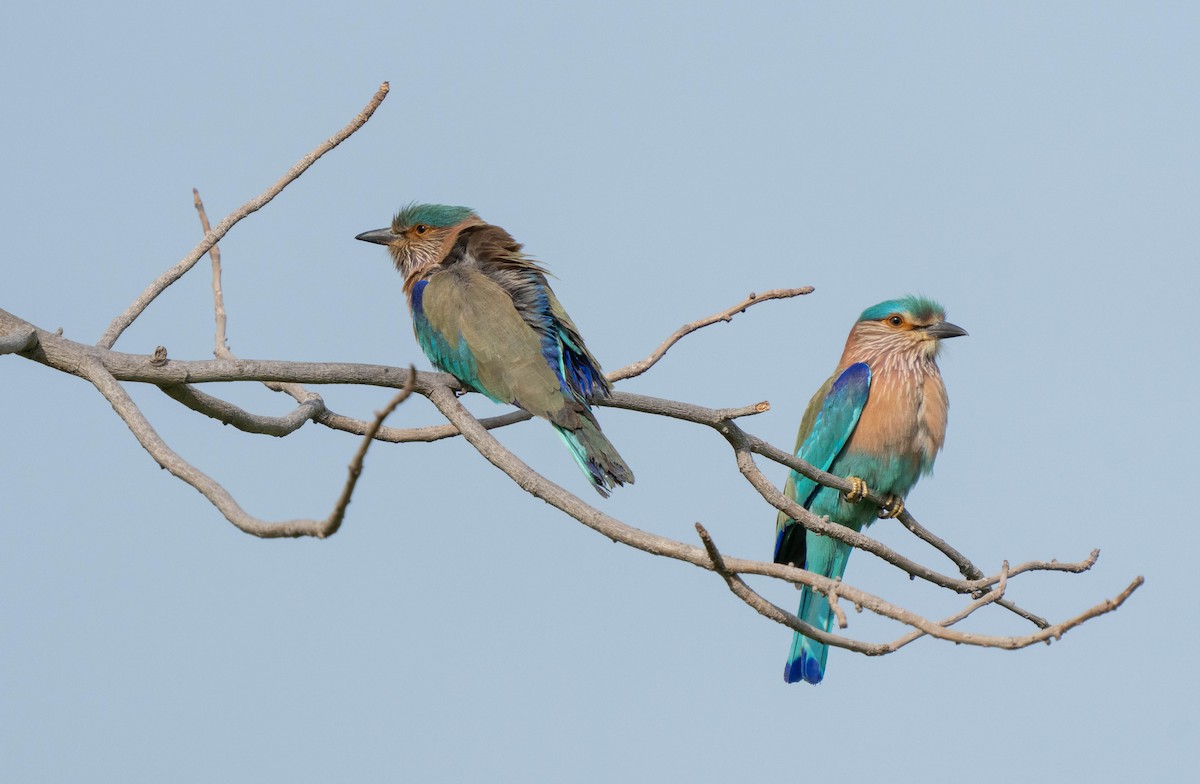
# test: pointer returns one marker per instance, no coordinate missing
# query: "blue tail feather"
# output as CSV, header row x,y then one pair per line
x,y
806,661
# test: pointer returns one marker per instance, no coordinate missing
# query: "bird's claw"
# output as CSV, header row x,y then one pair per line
x,y
893,506
858,490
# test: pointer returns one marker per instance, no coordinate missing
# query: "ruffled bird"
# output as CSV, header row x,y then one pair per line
x,y
880,420
483,312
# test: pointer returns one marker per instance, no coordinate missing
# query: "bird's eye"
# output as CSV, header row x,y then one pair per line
x,y
420,228
895,320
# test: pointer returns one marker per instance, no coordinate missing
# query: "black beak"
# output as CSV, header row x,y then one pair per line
x,y
940,330
378,236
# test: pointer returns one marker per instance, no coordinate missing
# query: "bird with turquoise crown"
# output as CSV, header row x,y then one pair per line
x,y
483,312
880,421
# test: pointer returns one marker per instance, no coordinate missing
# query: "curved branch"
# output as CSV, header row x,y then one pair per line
x,y
414,434
229,414
641,366
94,371
556,496
122,322
334,522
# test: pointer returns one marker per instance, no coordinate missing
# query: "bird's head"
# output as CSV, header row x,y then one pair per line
x,y
421,235
913,327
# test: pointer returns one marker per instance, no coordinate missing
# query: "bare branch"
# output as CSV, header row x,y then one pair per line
x,y
122,322
425,434
990,597
1048,634
743,441
243,420
220,346
556,496
230,414
23,339
773,611
640,367
63,353
94,371
838,613
339,509
965,567
105,367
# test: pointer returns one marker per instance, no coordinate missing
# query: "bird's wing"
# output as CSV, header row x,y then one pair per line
x,y
828,423
468,326
495,254
577,366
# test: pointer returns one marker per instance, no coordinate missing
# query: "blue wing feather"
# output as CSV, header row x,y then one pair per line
x,y
835,423
579,369
831,430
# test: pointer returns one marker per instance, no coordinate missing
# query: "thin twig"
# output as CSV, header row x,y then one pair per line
x,y
1036,620
220,346
641,366
838,613
122,322
94,371
714,555
983,601
965,567
339,510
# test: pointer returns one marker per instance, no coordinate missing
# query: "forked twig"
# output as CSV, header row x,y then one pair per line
x,y
641,366
122,322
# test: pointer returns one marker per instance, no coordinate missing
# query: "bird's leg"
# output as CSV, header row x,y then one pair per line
x,y
893,505
858,490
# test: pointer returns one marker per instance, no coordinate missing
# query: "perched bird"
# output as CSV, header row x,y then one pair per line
x,y
879,420
484,313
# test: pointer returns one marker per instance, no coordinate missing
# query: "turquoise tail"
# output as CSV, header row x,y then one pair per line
x,y
806,661
596,456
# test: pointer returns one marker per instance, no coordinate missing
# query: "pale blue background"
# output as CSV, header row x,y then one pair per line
x,y
1035,168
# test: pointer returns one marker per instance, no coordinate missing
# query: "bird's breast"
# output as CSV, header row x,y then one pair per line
x,y
904,418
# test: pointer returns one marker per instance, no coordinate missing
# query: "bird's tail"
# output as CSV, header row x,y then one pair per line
x,y
596,456
806,662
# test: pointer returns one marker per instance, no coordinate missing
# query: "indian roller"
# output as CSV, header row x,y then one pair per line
x,y
483,312
879,420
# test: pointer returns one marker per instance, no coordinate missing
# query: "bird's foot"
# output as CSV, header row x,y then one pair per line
x,y
893,506
858,490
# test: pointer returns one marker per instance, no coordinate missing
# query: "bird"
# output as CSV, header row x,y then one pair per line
x,y
483,312
880,421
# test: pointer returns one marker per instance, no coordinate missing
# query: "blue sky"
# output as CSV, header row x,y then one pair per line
x,y
1034,168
